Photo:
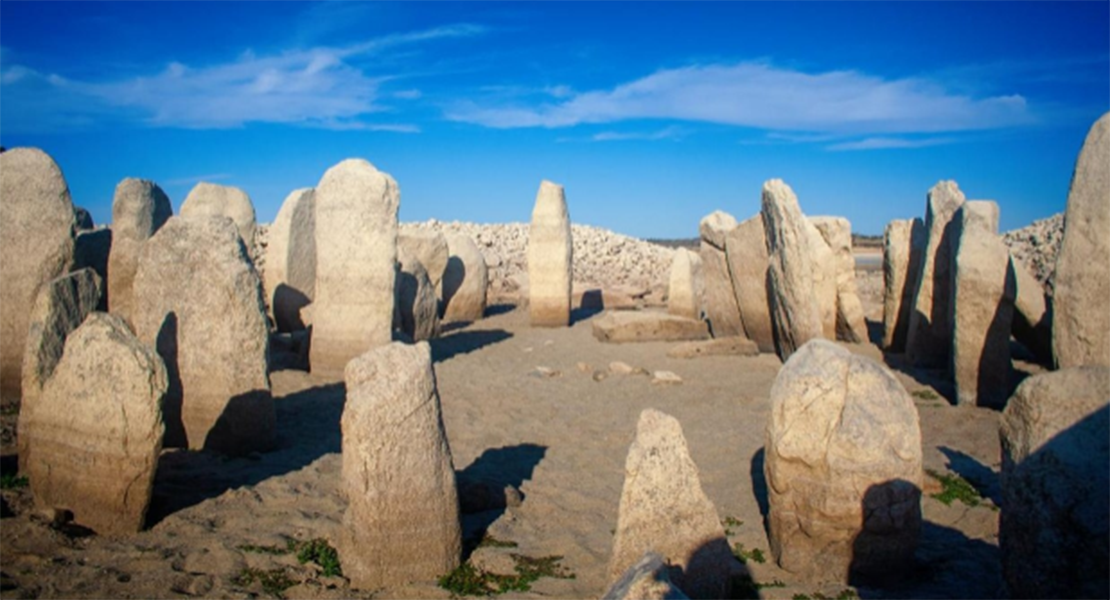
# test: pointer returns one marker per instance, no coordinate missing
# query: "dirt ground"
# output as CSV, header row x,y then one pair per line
x,y
559,439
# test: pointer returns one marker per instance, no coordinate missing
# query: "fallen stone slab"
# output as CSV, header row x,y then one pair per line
x,y
642,326
730,346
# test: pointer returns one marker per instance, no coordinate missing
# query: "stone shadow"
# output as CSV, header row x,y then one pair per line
x,y
882,551
498,309
483,487
592,303
465,342
981,477
166,346
287,304
759,485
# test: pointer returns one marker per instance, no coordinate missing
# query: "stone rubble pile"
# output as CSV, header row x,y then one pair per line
x,y
1036,246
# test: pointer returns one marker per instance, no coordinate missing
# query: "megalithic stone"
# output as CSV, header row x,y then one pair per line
x,y
837,233
721,307
550,256
214,200
139,209
746,249
903,244
687,285
290,274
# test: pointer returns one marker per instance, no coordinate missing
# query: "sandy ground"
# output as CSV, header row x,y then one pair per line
x,y
559,440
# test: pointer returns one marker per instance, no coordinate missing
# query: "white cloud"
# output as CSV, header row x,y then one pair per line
x,y
882,143
666,133
758,94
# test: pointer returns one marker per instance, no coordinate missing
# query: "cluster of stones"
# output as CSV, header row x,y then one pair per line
x,y
1037,245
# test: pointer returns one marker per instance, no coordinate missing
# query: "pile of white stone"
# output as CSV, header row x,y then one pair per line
x,y
1036,245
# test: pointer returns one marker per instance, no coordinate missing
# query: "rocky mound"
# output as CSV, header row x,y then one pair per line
x,y
1037,245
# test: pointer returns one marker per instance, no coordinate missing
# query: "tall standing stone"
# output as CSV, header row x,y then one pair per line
x,y
1081,321
402,520
214,200
36,234
139,209
98,428
550,256
1032,318
417,308
687,285
290,273
843,467
428,247
837,233
903,243
929,338
664,509
198,301
356,252
824,279
465,280
746,249
795,313
721,307
1054,530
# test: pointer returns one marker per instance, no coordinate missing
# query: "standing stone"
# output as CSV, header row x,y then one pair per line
x,y
97,430
198,301
824,279
1081,321
428,247
91,250
139,209
983,307
465,280
550,255
36,234
1032,324
837,233
663,509
929,338
60,308
1053,530
417,309
795,314
402,520
213,200
720,303
843,467
687,286
356,254
290,272
648,579
903,243
746,250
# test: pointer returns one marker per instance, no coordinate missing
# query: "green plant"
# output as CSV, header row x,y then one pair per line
x,y
321,553
729,523
924,394
777,583
8,410
8,481
273,582
489,541
954,487
469,581
755,554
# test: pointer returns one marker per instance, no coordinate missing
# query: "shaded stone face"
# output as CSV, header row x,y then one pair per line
x,y
417,310
837,233
719,299
465,280
550,255
746,250
290,273
37,235
903,243
428,247
794,302
139,209
687,285
213,200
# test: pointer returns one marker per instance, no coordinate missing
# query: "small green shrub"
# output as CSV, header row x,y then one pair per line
x,y
728,523
755,554
955,487
319,552
9,481
491,542
925,394
469,581
274,581
271,550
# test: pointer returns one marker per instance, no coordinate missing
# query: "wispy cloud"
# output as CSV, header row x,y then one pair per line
x,y
761,95
883,143
668,133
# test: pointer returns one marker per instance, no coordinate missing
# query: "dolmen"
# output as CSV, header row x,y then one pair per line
x,y
550,257
139,209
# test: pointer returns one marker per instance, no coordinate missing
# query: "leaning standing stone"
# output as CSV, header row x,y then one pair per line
x,y
843,467
837,233
687,286
213,200
465,280
139,209
290,272
356,252
550,253
903,243
721,307
198,301
417,310
1081,323
98,428
428,247
402,520
36,234
746,249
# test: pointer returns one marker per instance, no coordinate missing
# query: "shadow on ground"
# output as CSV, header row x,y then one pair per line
x,y
484,492
465,342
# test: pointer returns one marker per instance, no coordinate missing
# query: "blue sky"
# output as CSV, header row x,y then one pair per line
x,y
650,114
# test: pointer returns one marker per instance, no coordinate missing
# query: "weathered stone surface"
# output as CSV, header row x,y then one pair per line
x,y
903,243
746,250
214,200
92,249
1053,531
36,233
843,467
731,346
198,301
648,579
719,300
139,209
417,309
356,254
837,233
715,226
1081,322
290,275
663,509
1032,324
402,520
983,291
644,326
929,338
824,279
550,254
795,314
428,247
465,280
97,428
687,285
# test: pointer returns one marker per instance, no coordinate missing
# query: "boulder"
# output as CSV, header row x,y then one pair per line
x,y
929,338
733,346
139,209
465,280
687,286
715,226
746,250
428,247
843,468
837,233
644,326
97,430
792,294
663,509
60,308
719,300
417,309
92,249
648,579
214,200
1053,531
903,243
290,273
550,255
198,301
356,255
402,519
36,234
1081,322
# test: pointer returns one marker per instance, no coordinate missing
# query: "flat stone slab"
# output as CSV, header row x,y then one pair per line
x,y
729,346
637,326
